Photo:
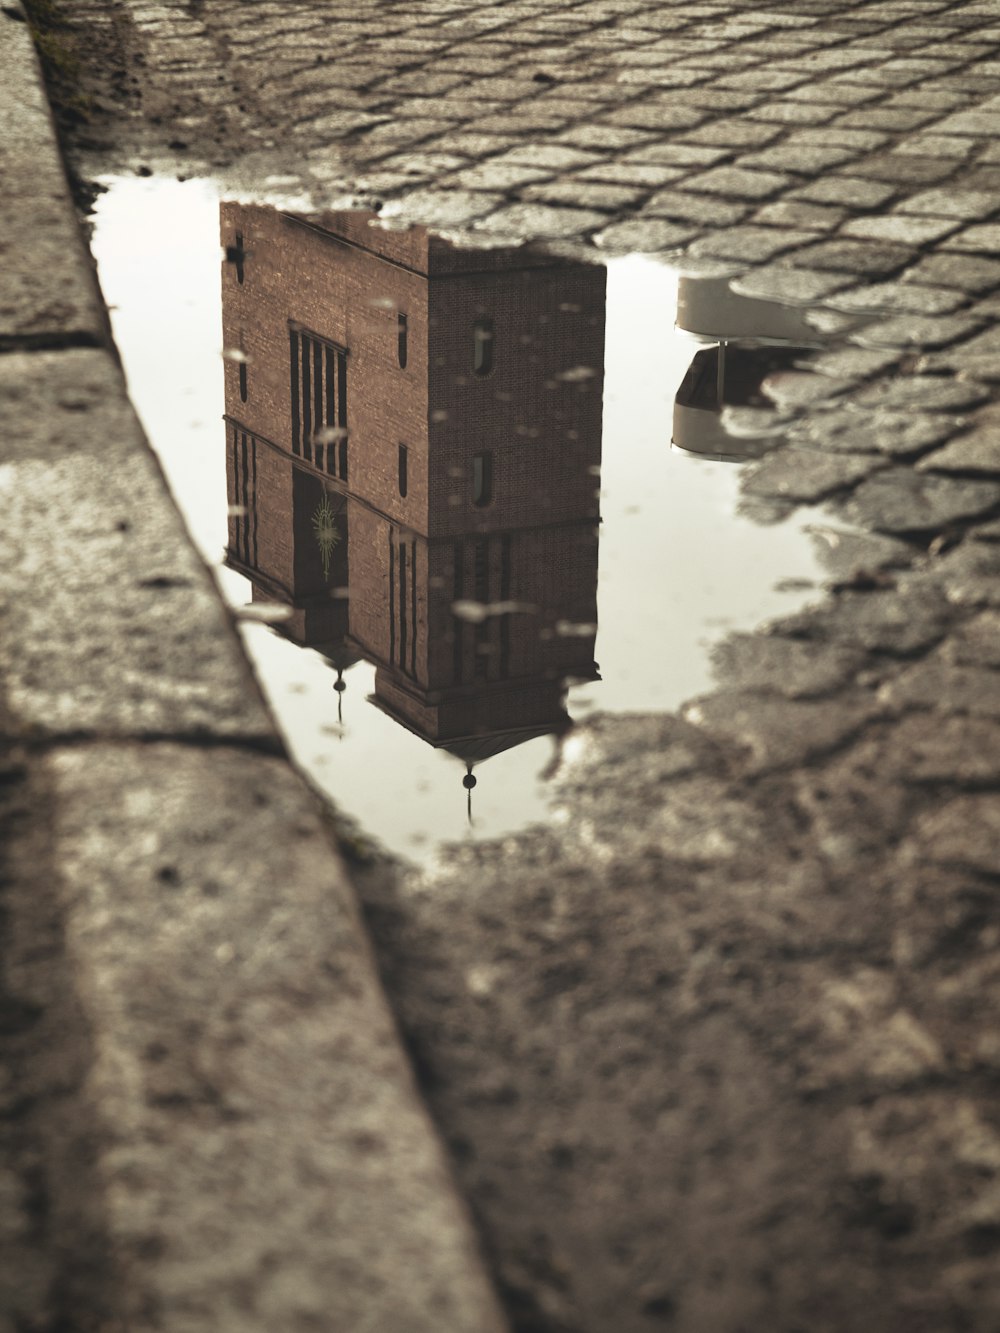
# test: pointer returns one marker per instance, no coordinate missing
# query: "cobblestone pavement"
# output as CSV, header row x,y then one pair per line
x,y
719,1050
648,123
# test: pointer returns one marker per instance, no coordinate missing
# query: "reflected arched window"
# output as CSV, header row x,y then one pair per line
x,y
483,342
239,254
402,470
482,478
401,332
243,381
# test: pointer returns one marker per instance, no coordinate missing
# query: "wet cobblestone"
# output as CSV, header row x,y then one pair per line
x,y
898,106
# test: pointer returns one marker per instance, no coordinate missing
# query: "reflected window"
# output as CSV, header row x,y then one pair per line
x,y
243,381
482,479
239,255
401,335
402,470
318,371
482,346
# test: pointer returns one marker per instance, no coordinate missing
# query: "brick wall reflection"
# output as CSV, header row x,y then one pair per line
x,y
413,450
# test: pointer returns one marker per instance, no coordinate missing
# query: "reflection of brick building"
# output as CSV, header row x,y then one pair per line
x,y
411,427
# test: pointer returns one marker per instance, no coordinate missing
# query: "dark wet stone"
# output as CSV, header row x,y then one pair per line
x,y
984,238
985,343
917,331
968,205
898,434
982,178
948,688
888,1049
977,450
434,208
898,622
541,221
645,235
903,501
808,475
899,229
847,554
833,325
975,641
804,160
557,157
780,733
941,922
677,749
978,358
738,183
967,273
794,668
766,511
759,424
648,175
795,286
700,210
853,363
852,811
855,257
969,575
890,297
798,213
927,393
847,191
675,154
976,121
750,244
584,194
903,169
964,831
981,368
794,389
925,747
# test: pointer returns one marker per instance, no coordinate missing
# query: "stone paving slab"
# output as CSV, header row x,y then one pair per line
x,y
111,623
47,290
207,1122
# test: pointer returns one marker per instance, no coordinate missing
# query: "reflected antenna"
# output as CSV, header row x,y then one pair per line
x,y
468,782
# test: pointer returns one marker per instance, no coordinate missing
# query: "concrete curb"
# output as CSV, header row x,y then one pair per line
x,y
207,1121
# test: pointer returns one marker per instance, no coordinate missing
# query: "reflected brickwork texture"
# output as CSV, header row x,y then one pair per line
x,y
413,460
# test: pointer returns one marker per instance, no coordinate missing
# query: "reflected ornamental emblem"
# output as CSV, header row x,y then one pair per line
x,y
324,521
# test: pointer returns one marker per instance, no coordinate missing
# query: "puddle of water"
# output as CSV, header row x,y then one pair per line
x,y
452,475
